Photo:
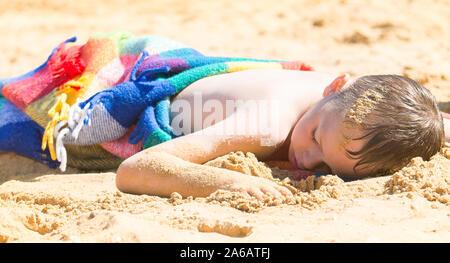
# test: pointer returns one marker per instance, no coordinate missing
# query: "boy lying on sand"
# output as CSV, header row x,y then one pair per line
x,y
367,126
118,94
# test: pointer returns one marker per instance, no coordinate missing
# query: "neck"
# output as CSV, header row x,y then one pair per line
x,y
281,153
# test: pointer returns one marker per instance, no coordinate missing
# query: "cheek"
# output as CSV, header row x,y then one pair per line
x,y
297,138
301,137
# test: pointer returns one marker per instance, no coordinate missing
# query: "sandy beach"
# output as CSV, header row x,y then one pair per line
x,y
410,38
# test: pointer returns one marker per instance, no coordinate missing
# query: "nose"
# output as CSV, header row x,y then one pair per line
x,y
313,159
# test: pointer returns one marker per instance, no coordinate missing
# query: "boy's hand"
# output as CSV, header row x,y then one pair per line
x,y
258,187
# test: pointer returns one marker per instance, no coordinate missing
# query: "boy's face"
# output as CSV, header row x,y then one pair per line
x,y
318,143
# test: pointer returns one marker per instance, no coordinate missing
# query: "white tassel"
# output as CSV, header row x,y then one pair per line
x,y
61,154
63,164
70,119
58,127
80,123
74,113
59,143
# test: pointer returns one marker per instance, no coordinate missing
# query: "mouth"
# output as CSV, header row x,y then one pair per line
x,y
294,162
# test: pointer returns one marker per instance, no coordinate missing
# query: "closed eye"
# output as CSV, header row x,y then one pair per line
x,y
322,167
313,136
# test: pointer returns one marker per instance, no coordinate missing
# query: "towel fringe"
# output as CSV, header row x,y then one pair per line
x,y
81,120
58,113
61,152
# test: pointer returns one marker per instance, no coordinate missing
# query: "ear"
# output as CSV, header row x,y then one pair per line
x,y
337,85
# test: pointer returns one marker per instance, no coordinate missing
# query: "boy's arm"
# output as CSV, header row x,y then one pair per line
x,y
176,165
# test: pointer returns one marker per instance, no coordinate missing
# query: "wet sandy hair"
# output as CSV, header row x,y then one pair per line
x,y
399,120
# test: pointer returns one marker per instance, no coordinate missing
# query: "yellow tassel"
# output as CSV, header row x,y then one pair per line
x,y
58,112
76,87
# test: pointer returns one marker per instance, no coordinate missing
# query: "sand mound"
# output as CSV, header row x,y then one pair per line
x,y
427,179
309,193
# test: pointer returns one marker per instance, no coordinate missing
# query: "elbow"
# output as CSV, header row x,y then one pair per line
x,y
140,174
125,177
134,178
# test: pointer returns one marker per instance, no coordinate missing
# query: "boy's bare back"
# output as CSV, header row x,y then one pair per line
x,y
294,90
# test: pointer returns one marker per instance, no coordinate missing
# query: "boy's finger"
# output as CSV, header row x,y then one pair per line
x,y
256,193
273,192
284,191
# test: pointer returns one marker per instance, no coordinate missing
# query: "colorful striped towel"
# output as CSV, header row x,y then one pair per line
x,y
93,105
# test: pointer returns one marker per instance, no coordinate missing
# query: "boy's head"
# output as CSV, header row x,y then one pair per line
x,y
373,126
